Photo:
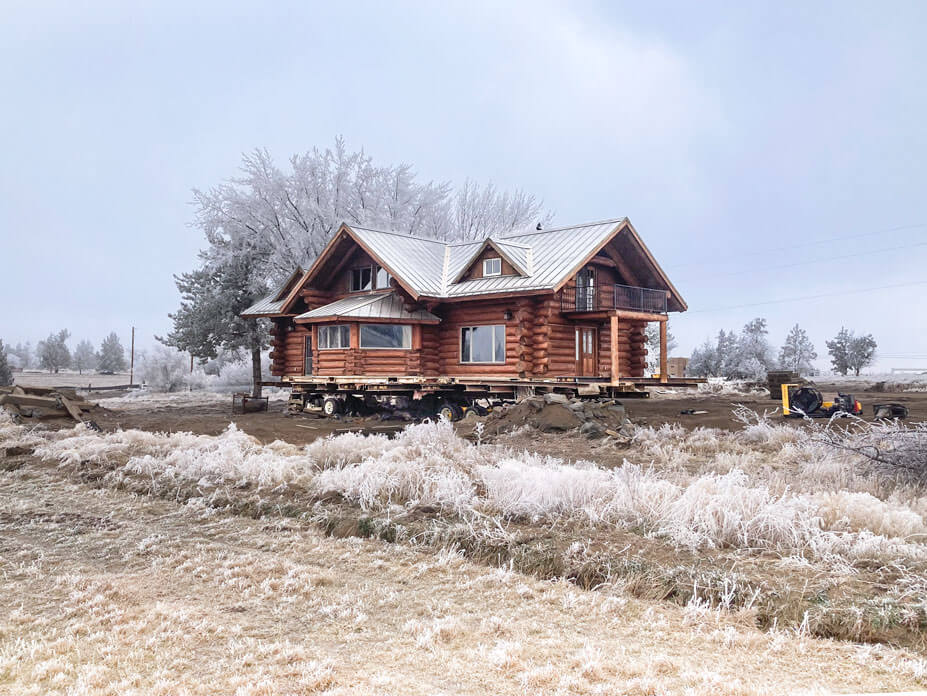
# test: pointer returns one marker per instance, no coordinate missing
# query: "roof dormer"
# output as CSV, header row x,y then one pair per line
x,y
495,257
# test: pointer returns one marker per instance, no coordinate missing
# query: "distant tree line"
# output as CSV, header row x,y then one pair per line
x,y
749,354
53,354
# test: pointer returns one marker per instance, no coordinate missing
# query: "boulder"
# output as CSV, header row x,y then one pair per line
x,y
556,417
554,398
592,429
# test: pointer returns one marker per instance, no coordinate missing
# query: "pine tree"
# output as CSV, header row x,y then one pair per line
x,y
798,353
112,356
839,349
6,374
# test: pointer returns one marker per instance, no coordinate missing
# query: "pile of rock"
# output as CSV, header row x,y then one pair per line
x,y
594,418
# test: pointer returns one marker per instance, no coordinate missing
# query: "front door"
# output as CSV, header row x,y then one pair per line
x,y
307,355
586,353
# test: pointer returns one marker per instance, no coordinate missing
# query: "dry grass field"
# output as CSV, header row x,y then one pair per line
x,y
684,561
106,592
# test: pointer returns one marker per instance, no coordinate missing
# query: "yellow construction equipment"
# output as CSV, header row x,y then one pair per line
x,y
801,401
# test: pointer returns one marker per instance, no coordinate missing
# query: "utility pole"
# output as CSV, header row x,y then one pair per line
x,y
132,360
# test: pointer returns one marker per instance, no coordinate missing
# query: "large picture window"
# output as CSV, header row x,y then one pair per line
x,y
334,337
482,344
385,336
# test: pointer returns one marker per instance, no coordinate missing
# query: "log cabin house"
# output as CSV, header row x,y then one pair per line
x,y
570,303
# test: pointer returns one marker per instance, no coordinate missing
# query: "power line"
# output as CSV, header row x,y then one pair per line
x,y
810,297
813,261
801,246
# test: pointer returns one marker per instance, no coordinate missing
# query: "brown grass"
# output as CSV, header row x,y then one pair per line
x,y
104,592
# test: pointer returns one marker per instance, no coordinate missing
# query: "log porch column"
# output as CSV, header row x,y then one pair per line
x,y
663,376
616,369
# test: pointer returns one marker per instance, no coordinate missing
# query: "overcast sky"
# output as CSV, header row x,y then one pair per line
x,y
751,144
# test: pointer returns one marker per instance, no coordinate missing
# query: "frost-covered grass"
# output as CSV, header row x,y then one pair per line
x,y
769,500
768,487
109,593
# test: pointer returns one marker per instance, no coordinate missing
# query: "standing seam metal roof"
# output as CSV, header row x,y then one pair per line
x,y
369,306
428,265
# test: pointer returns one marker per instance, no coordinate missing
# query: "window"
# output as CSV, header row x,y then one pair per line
x,y
492,267
386,336
334,337
383,278
362,279
482,344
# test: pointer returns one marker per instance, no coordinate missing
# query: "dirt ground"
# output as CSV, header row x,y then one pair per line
x,y
213,417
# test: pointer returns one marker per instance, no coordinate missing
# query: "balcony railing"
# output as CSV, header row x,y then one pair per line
x,y
606,297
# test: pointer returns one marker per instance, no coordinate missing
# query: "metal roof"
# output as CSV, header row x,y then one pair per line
x,y
273,304
429,266
369,306
264,307
417,261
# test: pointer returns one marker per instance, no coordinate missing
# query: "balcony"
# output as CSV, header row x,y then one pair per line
x,y
608,297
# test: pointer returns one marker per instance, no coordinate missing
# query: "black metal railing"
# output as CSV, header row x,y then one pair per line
x,y
598,299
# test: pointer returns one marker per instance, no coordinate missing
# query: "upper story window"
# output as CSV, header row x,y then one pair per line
x,y
383,278
369,278
492,267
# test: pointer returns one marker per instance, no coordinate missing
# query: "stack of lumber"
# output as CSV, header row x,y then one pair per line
x,y
776,378
36,402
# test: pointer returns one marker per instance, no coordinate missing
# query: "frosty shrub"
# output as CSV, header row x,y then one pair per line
x,y
702,489
163,369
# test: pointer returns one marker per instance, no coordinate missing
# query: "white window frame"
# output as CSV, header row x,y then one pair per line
x,y
465,359
340,333
488,273
406,338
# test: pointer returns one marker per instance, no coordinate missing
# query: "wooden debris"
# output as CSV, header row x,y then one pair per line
x,y
25,401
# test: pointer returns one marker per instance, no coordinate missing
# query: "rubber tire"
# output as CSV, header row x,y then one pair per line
x,y
806,399
452,412
331,406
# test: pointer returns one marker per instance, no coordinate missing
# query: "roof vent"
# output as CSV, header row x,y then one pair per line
x,y
538,228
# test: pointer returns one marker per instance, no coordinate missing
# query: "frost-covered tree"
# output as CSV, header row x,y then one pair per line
x,y
267,221
53,351
652,334
754,353
6,374
22,352
798,353
861,353
212,299
163,369
702,361
112,356
839,350
85,358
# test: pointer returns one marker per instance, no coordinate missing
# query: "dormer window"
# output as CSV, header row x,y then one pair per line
x,y
369,278
492,267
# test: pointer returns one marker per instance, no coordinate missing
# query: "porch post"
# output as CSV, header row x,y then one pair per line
x,y
663,376
616,370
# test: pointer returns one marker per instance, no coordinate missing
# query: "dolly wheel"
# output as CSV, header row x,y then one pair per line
x,y
451,412
331,406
